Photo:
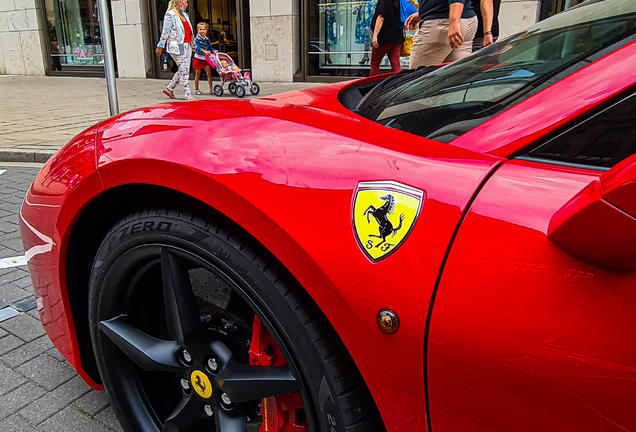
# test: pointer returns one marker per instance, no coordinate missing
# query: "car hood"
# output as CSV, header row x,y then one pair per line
x,y
293,106
314,112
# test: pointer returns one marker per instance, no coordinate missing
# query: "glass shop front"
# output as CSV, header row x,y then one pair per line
x,y
339,38
75,40
552,7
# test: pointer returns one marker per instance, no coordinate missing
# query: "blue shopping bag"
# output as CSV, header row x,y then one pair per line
x,y
406,9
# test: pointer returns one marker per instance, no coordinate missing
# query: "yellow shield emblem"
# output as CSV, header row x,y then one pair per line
x,y
384,213
201,384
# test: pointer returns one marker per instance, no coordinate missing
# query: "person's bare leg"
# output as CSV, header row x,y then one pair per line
x,y
208,72
197,76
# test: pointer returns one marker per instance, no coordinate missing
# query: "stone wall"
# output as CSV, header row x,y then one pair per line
x,y
132,38
517,15
21,38
275,35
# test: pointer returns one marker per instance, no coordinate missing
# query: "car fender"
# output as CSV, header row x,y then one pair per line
x,y
291,184
54,201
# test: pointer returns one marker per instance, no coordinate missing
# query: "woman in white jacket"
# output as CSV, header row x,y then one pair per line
x,y
177,38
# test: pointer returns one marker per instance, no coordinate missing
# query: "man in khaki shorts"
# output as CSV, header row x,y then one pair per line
x,y
445,32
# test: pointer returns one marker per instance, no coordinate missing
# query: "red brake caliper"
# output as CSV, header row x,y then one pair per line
x,y
280,413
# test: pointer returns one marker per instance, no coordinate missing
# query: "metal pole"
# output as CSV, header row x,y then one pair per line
x,y
109,63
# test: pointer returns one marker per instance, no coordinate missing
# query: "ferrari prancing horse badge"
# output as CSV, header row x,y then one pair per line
x,y
384,213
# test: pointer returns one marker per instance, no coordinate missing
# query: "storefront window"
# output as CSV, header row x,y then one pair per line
x,y
74,35
340,38
221,17
553,7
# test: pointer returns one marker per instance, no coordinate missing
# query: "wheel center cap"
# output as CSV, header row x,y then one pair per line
x,y
201,384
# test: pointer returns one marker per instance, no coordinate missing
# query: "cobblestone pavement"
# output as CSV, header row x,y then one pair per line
x,y
40,114
39,391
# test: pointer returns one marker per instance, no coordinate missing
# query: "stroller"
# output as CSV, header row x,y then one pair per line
x,y
239,79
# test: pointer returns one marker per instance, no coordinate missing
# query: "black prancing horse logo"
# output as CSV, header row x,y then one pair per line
x,y
200,384
381,217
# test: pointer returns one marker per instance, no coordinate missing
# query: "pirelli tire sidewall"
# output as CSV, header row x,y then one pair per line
x,y
261,278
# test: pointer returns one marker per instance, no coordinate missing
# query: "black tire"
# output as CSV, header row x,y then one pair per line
x,y
218,90
240,91
231,87
255,89
207,258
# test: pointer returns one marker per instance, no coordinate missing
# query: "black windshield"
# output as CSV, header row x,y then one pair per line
x,y
446,103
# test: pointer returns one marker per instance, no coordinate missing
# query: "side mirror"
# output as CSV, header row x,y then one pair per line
x,y
598,225
619,186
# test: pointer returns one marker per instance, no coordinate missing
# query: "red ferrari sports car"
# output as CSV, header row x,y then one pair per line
x,y
445,249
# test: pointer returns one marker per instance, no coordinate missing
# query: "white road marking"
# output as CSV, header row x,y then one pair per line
x,y
7,313
3,171
13,262
39,249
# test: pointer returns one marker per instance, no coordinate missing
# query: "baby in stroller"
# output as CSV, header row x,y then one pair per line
x,y
238,79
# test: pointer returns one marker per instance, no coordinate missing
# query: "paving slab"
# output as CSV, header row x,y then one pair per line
x,y
46,371
19,397
54,401
9,343
53,352
16,423
72,419
92,403
9,380
25,305
12,274
33,313
27,352
109,419
14,243
11,293
24,282
7,227
24,327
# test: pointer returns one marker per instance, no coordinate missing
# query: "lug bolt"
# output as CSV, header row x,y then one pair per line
x,y
187,357
185,384
207,410
213,364
225,399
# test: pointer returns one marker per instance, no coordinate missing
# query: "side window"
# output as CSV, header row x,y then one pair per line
x,y
601,141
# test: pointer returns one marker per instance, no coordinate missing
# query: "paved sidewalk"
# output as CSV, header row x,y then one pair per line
x,y
39,391
38,115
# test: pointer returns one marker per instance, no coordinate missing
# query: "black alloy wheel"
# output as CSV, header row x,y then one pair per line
x,y
240,91
218,90
231,87
174,304
255,89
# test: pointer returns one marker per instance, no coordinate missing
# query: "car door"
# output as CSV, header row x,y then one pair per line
x,y
534,318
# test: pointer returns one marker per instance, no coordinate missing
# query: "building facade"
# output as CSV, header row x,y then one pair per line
x,y
279,40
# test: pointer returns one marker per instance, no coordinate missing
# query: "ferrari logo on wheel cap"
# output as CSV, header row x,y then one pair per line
x,y
201,384
384,213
